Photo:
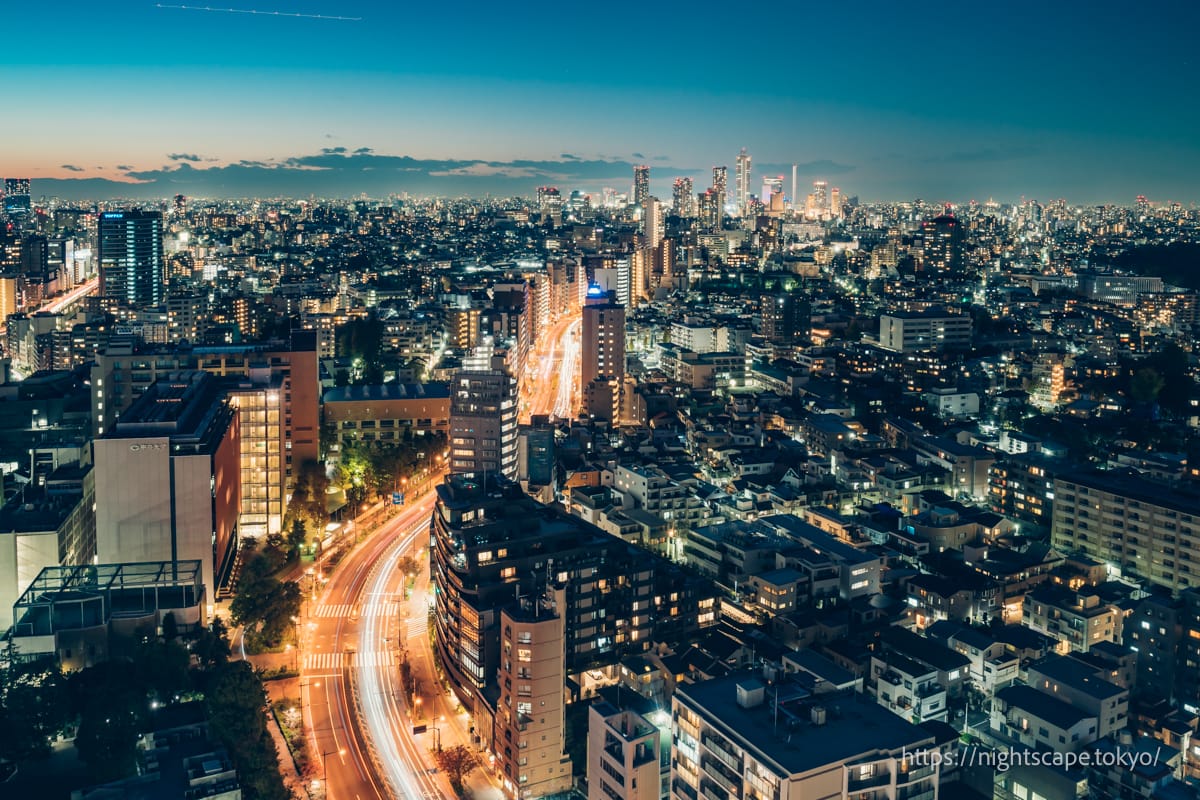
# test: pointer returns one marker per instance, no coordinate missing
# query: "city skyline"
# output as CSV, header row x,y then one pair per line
x,y
950,107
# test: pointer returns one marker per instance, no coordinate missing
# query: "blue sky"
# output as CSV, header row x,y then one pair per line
x,y
1089,101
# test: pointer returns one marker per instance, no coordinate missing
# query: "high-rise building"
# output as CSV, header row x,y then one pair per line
x,y
652,221
835,203
742,181
942,245
603,344
130,254
709,209
720,187
786,319
483,422
17,204
168,479
682,198
530,718
492,543
549,200
641,184
772,186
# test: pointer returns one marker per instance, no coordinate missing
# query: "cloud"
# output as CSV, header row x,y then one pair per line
x,y
984,155
638,155
568,157
184,157
661,158
72,168
124,167
339,172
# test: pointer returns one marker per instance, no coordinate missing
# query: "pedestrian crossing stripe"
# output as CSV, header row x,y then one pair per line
x,y
348,610
323,661
417,628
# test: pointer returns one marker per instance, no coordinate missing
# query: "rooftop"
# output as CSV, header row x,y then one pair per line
x,y
783,732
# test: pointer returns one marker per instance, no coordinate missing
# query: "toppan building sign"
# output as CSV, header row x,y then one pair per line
x,y
137,448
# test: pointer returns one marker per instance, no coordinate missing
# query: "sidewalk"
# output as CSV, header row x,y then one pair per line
x,y
292,779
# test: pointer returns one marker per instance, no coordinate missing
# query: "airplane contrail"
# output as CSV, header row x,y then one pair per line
x,y
259,12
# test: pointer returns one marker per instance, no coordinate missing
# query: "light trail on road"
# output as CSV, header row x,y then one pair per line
x,y
568,376
386,724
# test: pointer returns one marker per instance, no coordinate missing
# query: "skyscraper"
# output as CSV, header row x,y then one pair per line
x,y
16,198
652,221
720,187
682,198
641,184
483,422
742,181
130,253
709,209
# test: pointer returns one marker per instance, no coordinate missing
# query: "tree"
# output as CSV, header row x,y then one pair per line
x,y
235,701
297,535
1145,386
113,706
170,626
457,762
35,704
408,565
211,645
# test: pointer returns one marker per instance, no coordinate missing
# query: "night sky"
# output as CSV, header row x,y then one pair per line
x,y
1094,102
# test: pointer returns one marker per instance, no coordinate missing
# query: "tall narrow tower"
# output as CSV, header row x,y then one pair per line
x,y
603,353
641,184
742,181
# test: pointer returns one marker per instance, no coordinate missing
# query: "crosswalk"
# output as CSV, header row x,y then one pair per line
x,y
418,626
325,661
386,609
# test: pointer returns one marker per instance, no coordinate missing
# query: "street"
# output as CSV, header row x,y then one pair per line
x,y
355,636
551,385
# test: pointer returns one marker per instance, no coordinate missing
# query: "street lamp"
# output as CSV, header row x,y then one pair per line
x,y
341,751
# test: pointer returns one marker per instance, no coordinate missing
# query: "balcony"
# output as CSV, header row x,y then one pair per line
x,y
880,778
725,756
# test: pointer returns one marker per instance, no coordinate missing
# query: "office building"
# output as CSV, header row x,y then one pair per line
x,y
603,348
1140,529
17,203
919,331
123,371
529,733
641,184
736,735
259,400
942,245
483,422
130,254
168,479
